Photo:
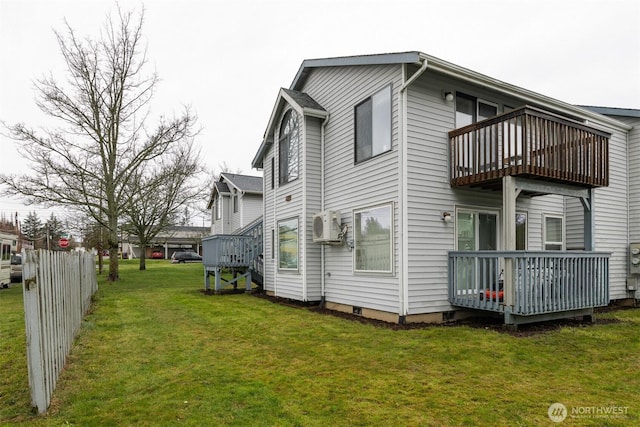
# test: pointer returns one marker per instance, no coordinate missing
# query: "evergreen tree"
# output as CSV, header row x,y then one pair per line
x,y
55,228
32,227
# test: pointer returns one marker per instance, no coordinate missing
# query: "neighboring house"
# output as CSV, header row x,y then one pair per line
x,y
235,202
406,188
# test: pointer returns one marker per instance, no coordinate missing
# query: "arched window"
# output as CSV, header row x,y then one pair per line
x,y
289,142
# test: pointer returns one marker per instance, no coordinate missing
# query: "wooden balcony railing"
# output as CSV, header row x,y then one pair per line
x,y
533,143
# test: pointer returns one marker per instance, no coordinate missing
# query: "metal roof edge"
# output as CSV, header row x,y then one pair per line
x,y
411,57
613,111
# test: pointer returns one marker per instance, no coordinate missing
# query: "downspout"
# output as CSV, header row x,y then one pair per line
x,y
403,192
322,247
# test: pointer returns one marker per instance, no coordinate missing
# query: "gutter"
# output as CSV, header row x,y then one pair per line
x,y
322,247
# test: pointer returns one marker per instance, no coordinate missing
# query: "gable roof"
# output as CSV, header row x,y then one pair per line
x,y
242,183
346,61
299,101
427,62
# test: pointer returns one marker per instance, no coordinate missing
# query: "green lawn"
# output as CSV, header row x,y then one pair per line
x,y
157,351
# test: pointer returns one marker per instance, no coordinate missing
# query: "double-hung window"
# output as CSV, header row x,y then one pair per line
x,y
553,233
373,243
289,142
373,125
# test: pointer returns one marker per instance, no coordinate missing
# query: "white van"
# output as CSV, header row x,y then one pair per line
x,y
9,245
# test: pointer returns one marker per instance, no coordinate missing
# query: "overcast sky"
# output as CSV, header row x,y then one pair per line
x,y
228,59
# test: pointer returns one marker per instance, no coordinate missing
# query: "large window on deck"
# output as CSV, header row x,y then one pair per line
x,y
372,239
288,244
471,110
373,125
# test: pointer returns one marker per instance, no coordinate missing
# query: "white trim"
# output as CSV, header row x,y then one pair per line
x,y
475,210
289,270
390,206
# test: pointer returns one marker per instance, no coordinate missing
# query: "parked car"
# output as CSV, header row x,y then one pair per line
x,y
157,255
182,257
16,268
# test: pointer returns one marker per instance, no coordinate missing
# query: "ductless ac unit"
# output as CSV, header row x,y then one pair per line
x,y
326,227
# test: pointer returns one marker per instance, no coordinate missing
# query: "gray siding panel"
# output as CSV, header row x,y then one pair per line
x,y
269,226
349,186
634,178
313,197
611,216
250,208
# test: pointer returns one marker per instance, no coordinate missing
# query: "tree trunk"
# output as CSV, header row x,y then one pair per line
x,y
143,257
114,274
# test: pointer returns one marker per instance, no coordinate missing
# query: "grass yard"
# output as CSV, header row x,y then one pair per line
x,y
157,351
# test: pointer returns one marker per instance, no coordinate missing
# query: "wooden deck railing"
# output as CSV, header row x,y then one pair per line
x,y
529,142
544,281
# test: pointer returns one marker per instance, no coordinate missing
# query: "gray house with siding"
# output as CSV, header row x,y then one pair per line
x,y
406,188
235,202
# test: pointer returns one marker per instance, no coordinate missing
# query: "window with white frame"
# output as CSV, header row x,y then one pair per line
x,y
553,232
289,143
373,241
235,203
288,244
219,207
373,125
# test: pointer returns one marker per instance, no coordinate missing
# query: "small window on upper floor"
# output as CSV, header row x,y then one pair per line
x,y
373,125
289,142
235,203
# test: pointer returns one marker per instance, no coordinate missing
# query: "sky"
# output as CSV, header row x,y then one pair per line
x,y
227,60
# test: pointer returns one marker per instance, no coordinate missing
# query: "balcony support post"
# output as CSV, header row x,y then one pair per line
x,y
589,223
509,195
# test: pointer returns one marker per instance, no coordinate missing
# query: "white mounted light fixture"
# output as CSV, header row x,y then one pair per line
x,y
448,96
446,217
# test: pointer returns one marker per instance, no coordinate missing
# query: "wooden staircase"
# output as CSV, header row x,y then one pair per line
x,y
240,253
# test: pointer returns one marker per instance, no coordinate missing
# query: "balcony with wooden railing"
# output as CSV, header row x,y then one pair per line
x,y
530,143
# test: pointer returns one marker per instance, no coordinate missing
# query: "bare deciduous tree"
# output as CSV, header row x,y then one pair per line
x,y
89,162
159,192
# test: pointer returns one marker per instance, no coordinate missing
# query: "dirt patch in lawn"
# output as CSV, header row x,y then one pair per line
x,y
481,322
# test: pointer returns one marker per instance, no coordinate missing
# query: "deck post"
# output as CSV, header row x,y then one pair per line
x,y
509,196
589,223
248,280
217,280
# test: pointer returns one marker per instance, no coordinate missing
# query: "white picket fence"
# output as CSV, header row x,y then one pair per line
x,y
57,288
